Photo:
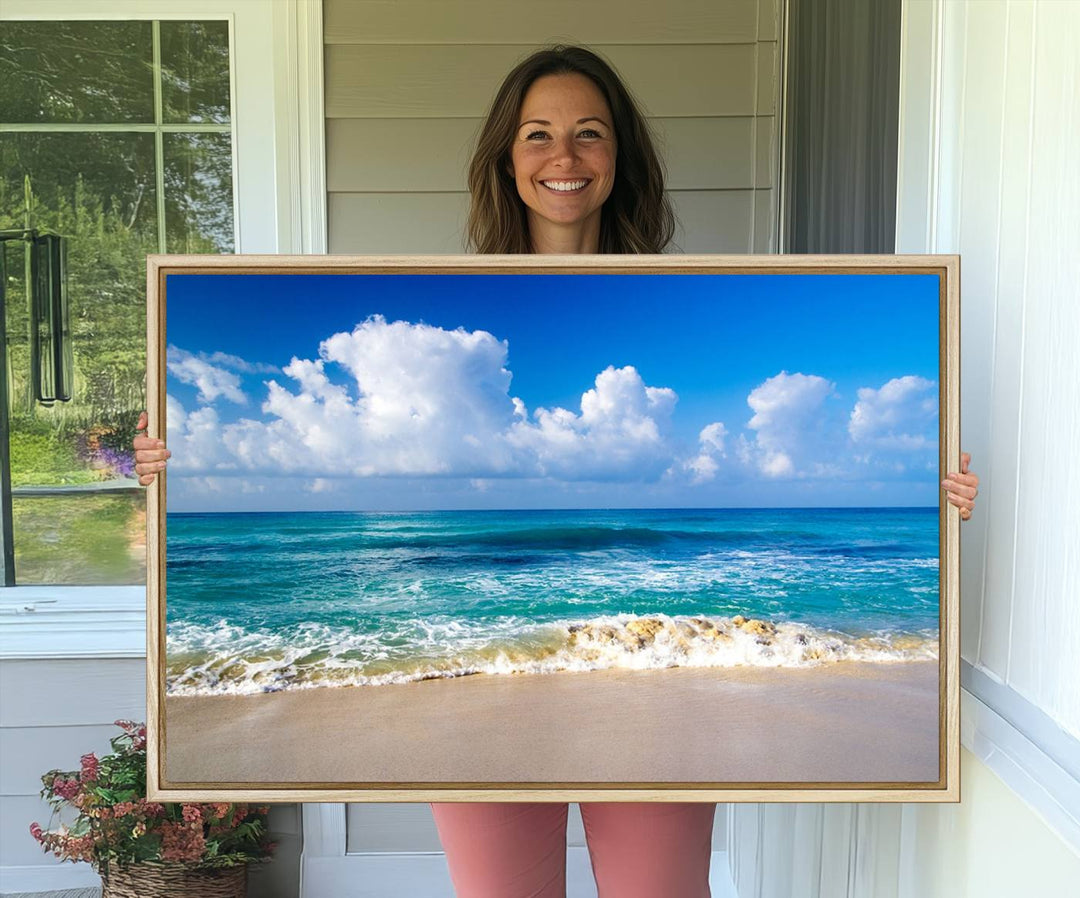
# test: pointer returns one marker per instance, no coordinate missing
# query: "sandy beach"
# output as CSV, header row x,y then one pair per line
x,y
841,723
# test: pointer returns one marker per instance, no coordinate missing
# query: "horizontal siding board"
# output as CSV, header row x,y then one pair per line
x,y
706,153
394,154
522,22
397,222
390,827
713,221
388,154
28,752
709,221
374,81
17,846
64,693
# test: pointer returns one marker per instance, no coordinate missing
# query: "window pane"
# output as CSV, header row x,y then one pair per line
x,y
81,540
198,193
98,191
77,517
195,71
76,72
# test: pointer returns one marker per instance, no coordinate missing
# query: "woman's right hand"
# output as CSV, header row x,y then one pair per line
x,y
150,454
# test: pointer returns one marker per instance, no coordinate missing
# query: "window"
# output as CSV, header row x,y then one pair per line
x,y
118,136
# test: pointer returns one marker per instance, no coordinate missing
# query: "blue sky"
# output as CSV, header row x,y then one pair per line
x,y
465,391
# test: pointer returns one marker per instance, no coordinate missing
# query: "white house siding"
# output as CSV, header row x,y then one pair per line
x,y
989,143
52,711
408,83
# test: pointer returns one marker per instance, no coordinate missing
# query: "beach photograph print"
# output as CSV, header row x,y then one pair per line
x,y
552,529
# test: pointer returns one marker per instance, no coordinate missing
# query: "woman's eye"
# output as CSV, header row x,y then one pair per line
x,y
536,134
589,132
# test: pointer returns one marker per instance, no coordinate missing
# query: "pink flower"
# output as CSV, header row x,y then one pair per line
x,y
36,831
65,788
123,808
192,814
181,842
150,808
89,768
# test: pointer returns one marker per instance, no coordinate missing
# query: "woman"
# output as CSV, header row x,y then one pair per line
x,y
565,164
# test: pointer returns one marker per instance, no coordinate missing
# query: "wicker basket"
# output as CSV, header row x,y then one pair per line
x,y
147,880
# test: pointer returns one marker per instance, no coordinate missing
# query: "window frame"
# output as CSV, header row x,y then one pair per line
x,y
276,94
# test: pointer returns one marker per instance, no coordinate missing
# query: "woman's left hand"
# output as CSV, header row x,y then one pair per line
x,y
961,488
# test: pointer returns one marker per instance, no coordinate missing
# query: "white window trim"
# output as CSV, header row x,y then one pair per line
x,y
280,207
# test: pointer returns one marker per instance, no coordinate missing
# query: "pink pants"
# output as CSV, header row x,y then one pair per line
x,y
518,850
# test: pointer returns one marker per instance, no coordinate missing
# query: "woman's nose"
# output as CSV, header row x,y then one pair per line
x,y
564,149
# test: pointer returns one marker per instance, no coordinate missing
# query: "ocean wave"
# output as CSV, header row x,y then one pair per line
x,y
225,659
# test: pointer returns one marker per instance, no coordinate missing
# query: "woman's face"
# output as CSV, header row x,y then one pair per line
x,y
563,154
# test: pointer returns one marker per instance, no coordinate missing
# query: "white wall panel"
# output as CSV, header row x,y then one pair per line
x,y
1044,662
978,158
1013,187
1004,188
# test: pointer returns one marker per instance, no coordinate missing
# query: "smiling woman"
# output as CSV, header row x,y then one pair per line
x,y
563,117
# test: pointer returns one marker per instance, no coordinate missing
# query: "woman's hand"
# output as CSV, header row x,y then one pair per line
x,y
962,488
150,454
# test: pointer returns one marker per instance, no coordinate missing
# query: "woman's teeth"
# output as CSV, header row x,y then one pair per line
x,y
564,186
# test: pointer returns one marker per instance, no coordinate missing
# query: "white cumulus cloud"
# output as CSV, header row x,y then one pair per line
x,y
404,399
212,381
704,465
620,431
899,416
788,426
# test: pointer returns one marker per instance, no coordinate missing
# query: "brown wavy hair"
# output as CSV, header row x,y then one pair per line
x,y
637,216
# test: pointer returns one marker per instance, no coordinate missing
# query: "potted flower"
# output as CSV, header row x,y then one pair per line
x,y
141,847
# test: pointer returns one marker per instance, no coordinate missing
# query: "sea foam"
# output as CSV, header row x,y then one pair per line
x,y
228,660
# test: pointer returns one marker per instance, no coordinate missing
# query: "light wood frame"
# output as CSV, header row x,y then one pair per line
x,y
946,789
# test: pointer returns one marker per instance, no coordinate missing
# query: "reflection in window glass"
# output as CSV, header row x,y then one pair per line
x,y
198,193
58,72
97,190
79,516
81,540
195,71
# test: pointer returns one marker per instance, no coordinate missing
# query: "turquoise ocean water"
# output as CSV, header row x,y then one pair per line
x,y
273,601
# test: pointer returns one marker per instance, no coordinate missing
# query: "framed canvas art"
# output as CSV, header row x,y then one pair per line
x,y
553,527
